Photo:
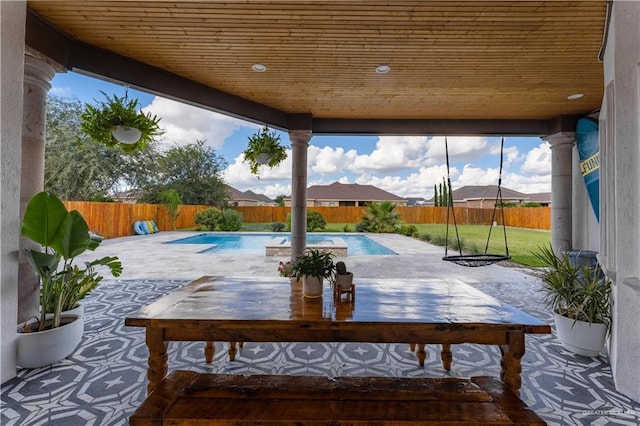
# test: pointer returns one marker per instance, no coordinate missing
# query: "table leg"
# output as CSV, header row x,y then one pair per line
x,y
510,364
422,354
209,351
412,347
446,356
157,357
233,350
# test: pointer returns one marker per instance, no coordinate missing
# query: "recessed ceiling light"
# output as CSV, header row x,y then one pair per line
x,y
258,67
383,69
575,96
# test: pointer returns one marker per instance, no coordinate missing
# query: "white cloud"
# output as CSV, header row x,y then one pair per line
x,y
64,92
393,153
329,160
461,148
528,184
184,124
473,175
538,161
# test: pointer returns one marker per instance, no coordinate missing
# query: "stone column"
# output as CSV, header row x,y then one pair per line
x,y
12,31
561,190
37,75
299,145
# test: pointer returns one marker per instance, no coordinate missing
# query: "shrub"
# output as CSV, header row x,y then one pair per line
x,y
362,227
230,220
278,227
531,204
346,228
315,221
425,236
407,230
208,219
381,217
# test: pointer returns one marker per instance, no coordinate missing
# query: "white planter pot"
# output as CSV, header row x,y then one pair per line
x,y
311,287
344,282
128,135
581,337
263,158
40,348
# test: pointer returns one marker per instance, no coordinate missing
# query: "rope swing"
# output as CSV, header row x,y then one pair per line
x,y
473,260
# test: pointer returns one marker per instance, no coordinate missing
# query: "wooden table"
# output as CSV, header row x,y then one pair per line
x,y
383,311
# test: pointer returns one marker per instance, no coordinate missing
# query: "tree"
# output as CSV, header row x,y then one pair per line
x,y
193,171
77,168
380,217
435,195
280,200
172,200
441,196
445,194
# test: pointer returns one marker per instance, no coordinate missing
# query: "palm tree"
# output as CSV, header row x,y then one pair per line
x,y
380,217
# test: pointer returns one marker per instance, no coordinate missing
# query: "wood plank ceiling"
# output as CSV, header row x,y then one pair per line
x,y
449,60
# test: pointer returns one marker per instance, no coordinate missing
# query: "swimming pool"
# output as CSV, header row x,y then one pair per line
x,y
254,243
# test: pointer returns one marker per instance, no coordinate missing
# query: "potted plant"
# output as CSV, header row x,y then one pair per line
x,y
63,236
580,297
118,123
343,278
312,267
264,148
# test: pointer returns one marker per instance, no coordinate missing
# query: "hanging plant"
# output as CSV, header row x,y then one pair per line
x,y
118,123
264,148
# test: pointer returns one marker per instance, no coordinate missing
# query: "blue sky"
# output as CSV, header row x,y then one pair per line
x,y
405,166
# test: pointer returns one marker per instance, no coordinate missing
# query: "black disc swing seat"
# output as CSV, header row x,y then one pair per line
x,y
482,259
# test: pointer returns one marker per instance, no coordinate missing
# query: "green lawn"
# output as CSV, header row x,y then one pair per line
x,y
521,241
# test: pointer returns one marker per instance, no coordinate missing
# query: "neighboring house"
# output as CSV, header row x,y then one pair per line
x,y
542,198
417,201
484,197
238,198
347,194
263,200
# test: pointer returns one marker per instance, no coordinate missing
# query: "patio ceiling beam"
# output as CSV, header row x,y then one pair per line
x,y
433,127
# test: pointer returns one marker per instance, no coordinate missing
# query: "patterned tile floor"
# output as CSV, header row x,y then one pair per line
x,y
104,380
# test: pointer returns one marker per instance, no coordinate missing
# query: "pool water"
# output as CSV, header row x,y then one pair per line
x,y
254,243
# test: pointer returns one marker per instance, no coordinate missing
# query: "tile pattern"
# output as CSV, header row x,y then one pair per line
x,y
104,381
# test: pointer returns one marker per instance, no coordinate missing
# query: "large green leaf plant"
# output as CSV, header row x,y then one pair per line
x,y
63,235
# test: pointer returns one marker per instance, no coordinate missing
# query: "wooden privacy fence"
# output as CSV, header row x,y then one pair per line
x,y
116,219
113,220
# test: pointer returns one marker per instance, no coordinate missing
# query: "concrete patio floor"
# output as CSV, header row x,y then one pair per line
x,y
104,381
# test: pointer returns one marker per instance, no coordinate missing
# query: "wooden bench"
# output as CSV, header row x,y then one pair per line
x,y
188,398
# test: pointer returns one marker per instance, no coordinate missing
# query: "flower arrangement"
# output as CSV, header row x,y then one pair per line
x,y
285,269
264,148
118,123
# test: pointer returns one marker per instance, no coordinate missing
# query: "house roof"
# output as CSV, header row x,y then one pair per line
x,y
486,192
474,67
351,192
540,197
259,197
238,195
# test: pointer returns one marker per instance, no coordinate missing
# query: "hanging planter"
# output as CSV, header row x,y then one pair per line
x,y
264,148
118,123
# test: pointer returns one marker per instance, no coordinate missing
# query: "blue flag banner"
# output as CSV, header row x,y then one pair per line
x,y
589,154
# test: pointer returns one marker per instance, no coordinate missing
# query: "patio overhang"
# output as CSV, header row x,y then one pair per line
x,y
481,68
